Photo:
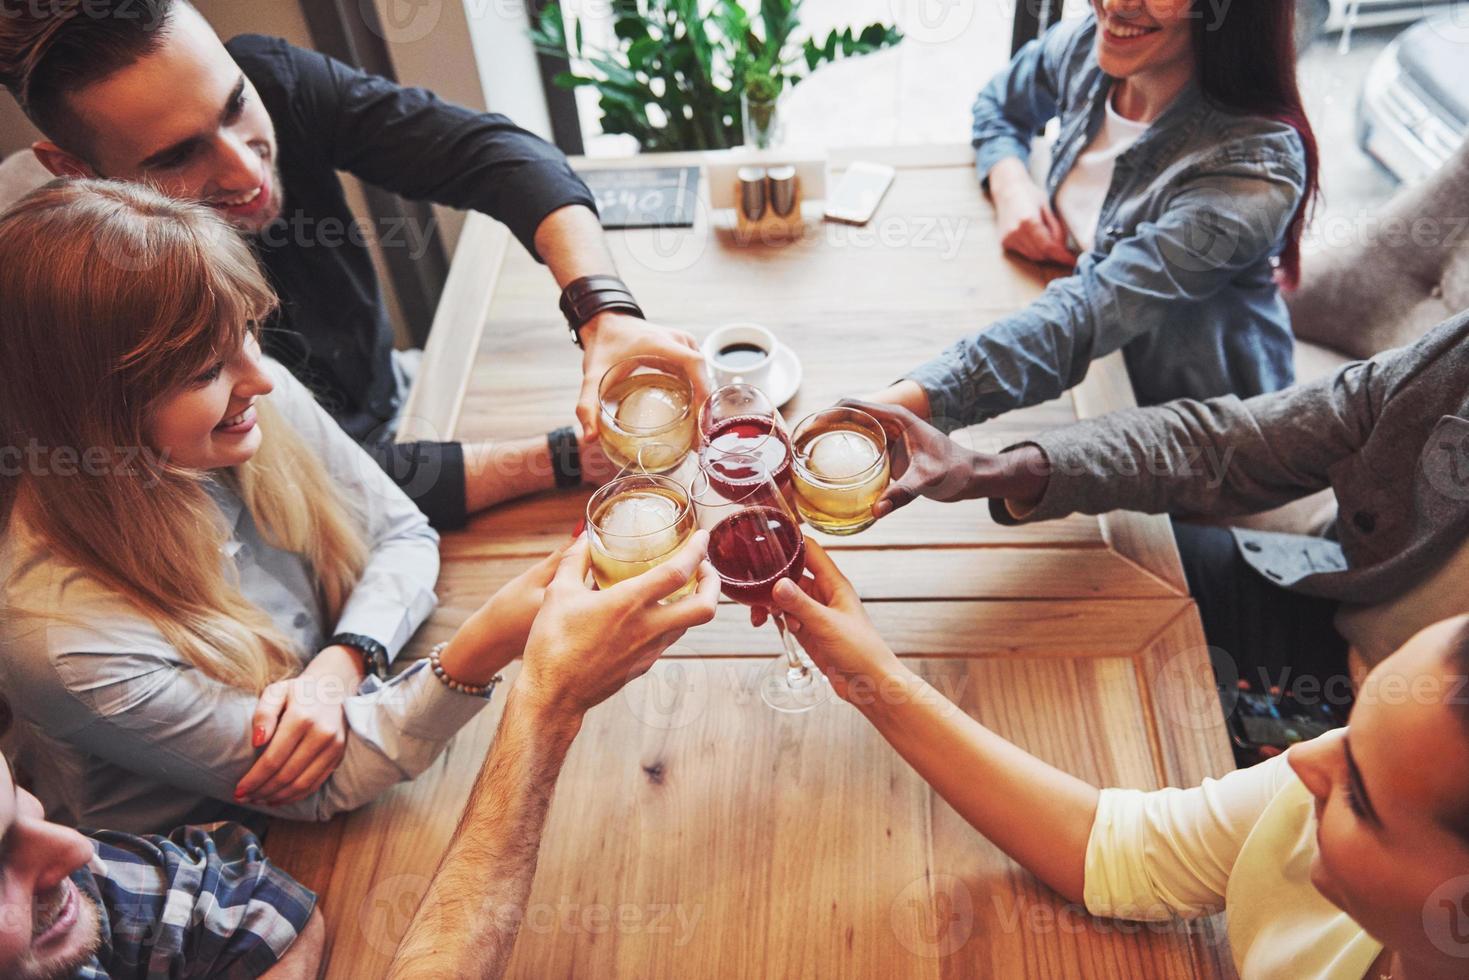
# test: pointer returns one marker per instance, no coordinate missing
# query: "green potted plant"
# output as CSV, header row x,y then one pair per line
x,y
760,103
681,71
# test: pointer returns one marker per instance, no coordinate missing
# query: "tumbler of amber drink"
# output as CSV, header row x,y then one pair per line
x,y
646,400
840,469
636,523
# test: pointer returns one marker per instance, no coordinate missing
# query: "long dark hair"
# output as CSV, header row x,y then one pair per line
x,y
1246,60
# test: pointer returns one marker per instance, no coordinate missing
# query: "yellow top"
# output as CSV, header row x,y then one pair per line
x,y
1243,845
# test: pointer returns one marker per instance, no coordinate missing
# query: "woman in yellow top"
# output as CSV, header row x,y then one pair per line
x,y
1345,858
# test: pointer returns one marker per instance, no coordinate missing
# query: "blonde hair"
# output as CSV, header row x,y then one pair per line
x,y
113,298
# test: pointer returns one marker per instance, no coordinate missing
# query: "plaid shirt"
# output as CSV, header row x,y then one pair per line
x,y
201,902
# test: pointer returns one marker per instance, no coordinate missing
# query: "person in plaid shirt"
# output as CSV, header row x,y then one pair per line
x,y
201,902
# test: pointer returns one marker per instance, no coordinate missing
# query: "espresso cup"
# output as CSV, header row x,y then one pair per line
x,y
740,353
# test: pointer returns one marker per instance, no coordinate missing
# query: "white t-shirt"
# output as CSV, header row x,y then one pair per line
x,y
1079,198
1242,845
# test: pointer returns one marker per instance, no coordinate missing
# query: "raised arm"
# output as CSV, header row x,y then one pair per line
x,y
1219,457
1214,228
1124,853
583,647
573,245
411,142
1034,812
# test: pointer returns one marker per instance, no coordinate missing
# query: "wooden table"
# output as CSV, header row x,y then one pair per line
x,y
697,833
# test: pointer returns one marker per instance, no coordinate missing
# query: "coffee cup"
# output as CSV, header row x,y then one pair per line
x,y
740,353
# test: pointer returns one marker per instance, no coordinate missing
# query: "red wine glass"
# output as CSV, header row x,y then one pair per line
x,y
755,541
741,420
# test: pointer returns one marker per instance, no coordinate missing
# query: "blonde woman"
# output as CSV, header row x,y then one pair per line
x,y
205,579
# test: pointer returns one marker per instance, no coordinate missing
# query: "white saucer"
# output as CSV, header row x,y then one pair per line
x,y
785,375
783,380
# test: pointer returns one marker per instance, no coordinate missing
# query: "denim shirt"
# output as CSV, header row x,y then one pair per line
x,y
1197,208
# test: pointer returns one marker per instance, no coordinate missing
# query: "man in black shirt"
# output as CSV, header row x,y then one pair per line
x,y
258,129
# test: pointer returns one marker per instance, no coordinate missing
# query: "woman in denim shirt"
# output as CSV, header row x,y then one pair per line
x,y
1187,162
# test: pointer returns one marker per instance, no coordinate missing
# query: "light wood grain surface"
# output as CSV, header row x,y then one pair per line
x,y
697,833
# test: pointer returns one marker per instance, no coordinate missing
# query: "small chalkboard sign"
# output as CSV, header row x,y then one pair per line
x,y
661,197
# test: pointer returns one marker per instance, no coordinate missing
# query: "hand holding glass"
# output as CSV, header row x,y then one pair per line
x,y
840,469
636,523
755,541
646,400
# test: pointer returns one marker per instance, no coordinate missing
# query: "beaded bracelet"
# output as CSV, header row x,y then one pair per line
x,y
437,666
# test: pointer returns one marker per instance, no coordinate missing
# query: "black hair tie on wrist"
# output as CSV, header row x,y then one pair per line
x,y
565,457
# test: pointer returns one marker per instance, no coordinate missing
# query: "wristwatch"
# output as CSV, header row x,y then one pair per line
x,y
565,457
374,654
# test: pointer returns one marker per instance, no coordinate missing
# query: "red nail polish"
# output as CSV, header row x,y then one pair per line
x,y
259,737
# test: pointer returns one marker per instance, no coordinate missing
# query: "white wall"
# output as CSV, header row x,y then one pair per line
x,y
508,74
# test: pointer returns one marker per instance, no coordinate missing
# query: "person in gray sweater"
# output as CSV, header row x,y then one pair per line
x,y
1389,435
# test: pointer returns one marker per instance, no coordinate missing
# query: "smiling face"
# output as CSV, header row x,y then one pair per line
x,y
185,120
1143,36
48,928
1391,788
210,423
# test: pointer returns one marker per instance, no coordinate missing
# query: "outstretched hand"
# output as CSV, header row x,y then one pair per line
x,y
925,462
826,613
614,337
585,644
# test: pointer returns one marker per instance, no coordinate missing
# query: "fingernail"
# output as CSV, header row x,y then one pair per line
x,y
259,737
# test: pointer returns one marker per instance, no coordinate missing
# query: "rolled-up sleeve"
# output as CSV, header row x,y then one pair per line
x,y
1017,103
1169,853
396,591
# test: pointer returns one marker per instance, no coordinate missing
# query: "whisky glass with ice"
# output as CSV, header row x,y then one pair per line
x,y
646,400
634,524
839,468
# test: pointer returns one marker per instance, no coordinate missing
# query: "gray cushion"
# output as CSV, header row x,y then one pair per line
x,y
1314,361
1405,270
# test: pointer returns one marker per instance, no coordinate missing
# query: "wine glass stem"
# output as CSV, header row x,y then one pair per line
x,y
797,673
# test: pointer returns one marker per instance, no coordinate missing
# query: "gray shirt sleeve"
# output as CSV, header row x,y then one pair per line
x,y
118,691
1221,456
